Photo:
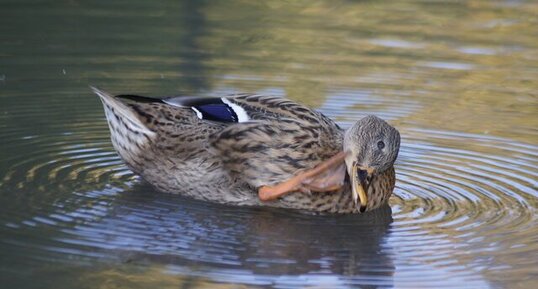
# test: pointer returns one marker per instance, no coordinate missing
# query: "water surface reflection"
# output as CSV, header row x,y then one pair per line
x,y
462,93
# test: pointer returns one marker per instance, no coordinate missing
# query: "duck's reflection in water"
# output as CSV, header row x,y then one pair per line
x,y
167,230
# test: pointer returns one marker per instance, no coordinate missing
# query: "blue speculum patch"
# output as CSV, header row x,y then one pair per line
x,y
217,112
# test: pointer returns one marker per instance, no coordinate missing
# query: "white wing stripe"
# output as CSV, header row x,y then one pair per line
x,y
242,115
198,113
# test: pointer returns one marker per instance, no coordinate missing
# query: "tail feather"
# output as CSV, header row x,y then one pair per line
x,y
114,108
129,134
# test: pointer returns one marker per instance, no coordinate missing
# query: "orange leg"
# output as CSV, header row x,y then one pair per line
x,y
300,181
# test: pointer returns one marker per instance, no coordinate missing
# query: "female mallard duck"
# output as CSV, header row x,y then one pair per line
x,y
225,149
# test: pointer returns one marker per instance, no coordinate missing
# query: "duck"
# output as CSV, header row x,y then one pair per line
x,y
254,150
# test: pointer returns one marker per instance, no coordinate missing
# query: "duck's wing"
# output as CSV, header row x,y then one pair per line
x,y
281,140
241,108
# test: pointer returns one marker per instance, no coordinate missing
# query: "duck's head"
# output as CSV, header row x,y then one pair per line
x,y
372,147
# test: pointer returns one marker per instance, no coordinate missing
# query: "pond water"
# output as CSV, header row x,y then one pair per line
x,y
458,79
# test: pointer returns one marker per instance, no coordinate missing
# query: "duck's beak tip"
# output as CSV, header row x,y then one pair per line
x,y
359,188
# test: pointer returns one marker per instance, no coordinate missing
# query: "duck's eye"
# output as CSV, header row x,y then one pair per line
x,y
380,144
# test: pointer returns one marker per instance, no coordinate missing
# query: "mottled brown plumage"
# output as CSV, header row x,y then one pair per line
x,y
227,162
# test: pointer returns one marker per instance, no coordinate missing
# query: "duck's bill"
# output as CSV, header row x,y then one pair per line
x,y
359,187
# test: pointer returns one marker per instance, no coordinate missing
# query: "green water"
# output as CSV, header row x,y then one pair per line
x,y
458,79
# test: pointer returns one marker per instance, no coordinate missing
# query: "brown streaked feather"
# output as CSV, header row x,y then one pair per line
x,y
264,107
266,153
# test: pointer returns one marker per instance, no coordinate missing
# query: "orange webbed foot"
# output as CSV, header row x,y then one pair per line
x,y
326,177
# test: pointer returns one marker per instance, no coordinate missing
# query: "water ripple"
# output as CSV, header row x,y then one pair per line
x,y
462,93
452,198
